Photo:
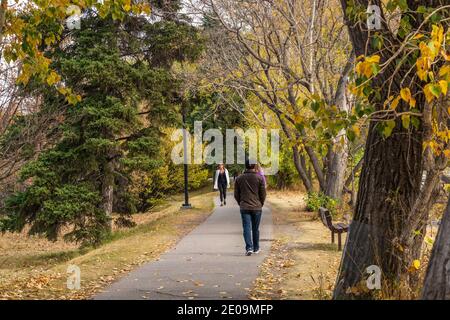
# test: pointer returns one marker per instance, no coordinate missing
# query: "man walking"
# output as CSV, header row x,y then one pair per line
x,y
250,194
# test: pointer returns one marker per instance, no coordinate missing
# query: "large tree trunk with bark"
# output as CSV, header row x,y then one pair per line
x,y
389,189
389,185
437,279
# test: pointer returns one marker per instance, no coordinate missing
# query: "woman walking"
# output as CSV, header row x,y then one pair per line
x,y
221,183
260,172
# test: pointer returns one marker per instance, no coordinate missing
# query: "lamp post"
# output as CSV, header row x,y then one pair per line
x,y
186,204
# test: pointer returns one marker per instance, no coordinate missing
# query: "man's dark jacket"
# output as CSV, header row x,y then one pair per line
x,y
250,191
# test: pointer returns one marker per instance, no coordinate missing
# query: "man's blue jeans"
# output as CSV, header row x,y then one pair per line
x,y
250,224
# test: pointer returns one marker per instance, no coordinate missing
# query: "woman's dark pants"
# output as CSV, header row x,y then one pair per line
x,y
223,192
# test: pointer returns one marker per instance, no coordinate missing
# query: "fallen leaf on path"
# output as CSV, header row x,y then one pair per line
x,y
198,284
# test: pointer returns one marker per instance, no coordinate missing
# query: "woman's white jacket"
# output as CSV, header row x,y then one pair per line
x,y
216,179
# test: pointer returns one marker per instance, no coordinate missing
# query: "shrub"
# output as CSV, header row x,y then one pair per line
x,y
287,176
315,200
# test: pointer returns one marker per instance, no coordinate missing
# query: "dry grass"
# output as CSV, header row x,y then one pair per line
x,y
34,268
303,263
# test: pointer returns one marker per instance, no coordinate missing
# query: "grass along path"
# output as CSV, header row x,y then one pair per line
x,y
208,263
34,268
303,263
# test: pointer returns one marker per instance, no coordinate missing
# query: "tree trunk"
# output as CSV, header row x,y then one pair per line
x,y
108,190
306,168
351,177
301,170
3,8
337,163
336,173
296,155
437,279
389,186
315,162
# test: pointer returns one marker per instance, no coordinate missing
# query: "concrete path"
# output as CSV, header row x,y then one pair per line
x,y
208,263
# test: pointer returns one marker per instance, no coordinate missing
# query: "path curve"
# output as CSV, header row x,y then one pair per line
x,y
208,263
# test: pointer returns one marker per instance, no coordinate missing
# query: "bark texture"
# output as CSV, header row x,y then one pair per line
x,y
389,185
389,189
437,279
337,164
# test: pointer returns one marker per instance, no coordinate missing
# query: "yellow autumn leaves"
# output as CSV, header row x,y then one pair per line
x,y
368,67
415,265
434,90
439,81
432,67
429,52
438,143
405,95
24,43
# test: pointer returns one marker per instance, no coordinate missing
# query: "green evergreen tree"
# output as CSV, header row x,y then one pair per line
x,y
122,72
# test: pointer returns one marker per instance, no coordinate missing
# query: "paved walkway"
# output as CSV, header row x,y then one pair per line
x,y
208,263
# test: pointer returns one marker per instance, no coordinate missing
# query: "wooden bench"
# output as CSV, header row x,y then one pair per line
x,y
338,228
